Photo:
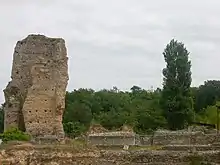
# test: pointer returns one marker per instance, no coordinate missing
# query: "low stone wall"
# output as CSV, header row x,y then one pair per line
x,y
205,139
60,155
144,140
191,148
196,138
179,139
112,138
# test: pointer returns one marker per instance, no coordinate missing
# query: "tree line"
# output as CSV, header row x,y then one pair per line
x,y
174,107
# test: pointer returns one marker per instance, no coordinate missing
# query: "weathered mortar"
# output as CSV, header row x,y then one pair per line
x,y
35,97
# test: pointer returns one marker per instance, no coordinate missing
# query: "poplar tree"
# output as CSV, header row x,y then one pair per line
x,y
176,97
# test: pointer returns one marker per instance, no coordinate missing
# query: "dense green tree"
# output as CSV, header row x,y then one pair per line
x,y
176,98
112,109
78,112
207,94
74,129
135,89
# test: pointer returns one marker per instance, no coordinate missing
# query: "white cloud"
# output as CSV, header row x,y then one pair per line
x,y
117,42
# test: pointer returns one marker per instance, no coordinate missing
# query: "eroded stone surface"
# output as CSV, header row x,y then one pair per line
x,y
35,97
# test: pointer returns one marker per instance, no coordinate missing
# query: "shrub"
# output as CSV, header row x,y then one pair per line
x,y
74,129
14,134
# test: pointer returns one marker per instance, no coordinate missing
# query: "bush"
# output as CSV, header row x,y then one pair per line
x,y
14,134
208,115
74,129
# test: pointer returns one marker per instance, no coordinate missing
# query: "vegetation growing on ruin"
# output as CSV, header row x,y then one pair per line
x,y
14,134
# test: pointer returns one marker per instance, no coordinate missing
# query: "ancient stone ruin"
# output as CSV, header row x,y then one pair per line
x,y
35,97
102,138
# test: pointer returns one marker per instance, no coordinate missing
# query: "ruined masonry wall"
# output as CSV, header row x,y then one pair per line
x,y
69,156
35,98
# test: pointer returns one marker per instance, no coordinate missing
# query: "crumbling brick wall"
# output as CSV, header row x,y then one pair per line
x,y
35,97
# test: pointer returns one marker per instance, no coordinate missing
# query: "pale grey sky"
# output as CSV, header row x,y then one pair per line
x,y
116,42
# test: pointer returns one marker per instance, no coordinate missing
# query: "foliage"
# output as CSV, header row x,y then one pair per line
x,y
78,112
207,94
209,115
112,109
74,129
14,134
176,97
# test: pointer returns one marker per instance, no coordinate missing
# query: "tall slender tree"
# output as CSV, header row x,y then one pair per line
x,y
176,100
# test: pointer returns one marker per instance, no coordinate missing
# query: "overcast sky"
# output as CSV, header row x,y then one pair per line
x,y
116,42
